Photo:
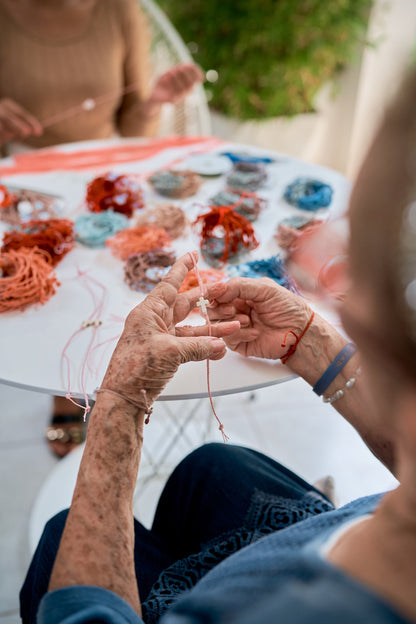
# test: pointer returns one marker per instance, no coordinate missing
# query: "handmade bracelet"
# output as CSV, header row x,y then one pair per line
x,y
293,347
340,393
147,410
334,369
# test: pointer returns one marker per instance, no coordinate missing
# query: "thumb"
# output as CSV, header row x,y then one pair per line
x,y
195,349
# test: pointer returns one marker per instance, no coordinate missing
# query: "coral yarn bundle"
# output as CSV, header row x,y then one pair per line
x,y
26,277
55,236
223,224
116,192
138,240
208,276
6,198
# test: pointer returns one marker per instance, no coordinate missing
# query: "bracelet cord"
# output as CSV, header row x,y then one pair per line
x,y
141,406
291,350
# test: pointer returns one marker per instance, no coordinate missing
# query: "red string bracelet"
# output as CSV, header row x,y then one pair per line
x,y
294,346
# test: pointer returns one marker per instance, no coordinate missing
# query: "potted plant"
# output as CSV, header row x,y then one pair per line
x,y
269,59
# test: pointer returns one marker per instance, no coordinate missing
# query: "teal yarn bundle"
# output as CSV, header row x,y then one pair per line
x,y
308,194
93,229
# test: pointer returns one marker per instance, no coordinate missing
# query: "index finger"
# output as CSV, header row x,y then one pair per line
x,y
246,288
174,277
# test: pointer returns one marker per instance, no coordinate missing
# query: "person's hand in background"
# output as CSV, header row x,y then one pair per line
x,y
16,122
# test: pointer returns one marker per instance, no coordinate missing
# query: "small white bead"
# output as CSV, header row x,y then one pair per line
x,y
350,383
88,104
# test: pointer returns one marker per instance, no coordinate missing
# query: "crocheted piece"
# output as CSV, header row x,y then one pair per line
x,y
266,514
177,184
308,194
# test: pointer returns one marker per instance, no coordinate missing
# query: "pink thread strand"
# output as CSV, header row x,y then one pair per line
x,y
206,317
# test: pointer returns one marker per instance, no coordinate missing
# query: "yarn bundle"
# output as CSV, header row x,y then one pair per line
x,y
119,193
93,229
137,240
176,184
246,176
55,236
143,271
273,267
224,235
308,194
167,216
26,277
207,276
289,230
249,205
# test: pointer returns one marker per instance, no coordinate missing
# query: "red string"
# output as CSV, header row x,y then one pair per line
x,y
293,347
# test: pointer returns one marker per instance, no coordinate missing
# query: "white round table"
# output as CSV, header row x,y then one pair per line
x,y
32,341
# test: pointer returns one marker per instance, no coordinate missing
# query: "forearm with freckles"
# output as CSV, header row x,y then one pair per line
x,y
318,348
97,546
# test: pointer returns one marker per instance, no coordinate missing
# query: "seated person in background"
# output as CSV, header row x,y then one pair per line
x,y
82,67
313,563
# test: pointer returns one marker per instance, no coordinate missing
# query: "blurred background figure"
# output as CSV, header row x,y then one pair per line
x,y
76,70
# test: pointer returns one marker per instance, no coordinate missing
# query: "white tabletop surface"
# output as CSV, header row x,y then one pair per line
x,y
32,341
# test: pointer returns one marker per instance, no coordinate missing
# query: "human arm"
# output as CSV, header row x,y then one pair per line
x,y
139,111
16,122
97,546
267,312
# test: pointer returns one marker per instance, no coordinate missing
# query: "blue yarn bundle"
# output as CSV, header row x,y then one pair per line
x,y
235,157
273,267
94,228
308,194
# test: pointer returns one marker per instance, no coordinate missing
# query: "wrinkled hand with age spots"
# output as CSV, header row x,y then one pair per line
x,y
152,345
265,311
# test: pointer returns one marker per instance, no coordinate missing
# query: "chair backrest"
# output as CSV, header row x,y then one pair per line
x,y
191,116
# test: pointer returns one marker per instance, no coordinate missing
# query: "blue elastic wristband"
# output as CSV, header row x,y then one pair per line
x,y
334,369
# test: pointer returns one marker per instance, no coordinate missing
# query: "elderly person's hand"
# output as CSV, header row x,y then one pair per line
x,y
16,122
265,311
152,345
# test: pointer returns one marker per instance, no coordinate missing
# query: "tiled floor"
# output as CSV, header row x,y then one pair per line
x,y
287,421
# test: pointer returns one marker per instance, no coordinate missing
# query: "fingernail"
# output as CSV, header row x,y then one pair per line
x,y
217,344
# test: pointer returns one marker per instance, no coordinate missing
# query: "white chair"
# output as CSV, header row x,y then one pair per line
x,y
190,117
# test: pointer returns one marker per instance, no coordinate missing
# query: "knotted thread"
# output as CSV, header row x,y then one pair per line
x,y
294,346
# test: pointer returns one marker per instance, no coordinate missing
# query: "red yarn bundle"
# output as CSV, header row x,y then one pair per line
x,y
55,236
137,240
114,192
234,230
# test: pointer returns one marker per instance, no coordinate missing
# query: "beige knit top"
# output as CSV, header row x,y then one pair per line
x,y
50,78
